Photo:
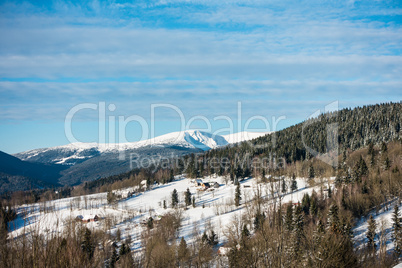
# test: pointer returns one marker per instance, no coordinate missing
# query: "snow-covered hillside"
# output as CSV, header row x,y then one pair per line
x,y
214,207
78,152
383,219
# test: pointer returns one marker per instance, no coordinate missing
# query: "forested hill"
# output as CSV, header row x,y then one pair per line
x,y
355,128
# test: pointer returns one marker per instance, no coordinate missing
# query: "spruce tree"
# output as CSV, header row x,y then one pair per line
x,y
293,186
87,245
175,198
311,172
298,232
237,195
333,219
371,232
289,218
397,231
187,197
284,186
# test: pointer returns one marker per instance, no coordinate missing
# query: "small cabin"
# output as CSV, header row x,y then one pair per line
x,y
198,182
205,185
87,218
216,185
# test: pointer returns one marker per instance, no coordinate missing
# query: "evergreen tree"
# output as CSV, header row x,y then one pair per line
x,y
311,172
187,197
124,249
306,204
150,223
259,221
397,231
289,218
245,232
284,187
237,195
113,259
293,186
298,232
333,219
313,204
164,204
371,232
193,202
175,198
87,245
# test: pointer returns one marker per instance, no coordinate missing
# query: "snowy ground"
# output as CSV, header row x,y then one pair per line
x,y
384,226
213,208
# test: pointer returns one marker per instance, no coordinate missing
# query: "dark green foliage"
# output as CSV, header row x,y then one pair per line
x,y
87,245
311,172
259,221
187,197
306,204
193,202
175,198
289,217
211,240
124,249
298,232
397,231
150,223
237,195
333,219
113,259
111,197
245,232
284,186
164,204
293,186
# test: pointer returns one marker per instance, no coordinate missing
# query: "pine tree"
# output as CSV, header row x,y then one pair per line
x,y
397,231
293,186
187,197
289,218
237,195
284,186
371,232
306,203
87,245
259,221
150,223
333,219
193,202
298,232
311,173
113,259
175,198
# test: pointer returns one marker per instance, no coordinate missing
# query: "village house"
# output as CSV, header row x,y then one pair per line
x,y
87,218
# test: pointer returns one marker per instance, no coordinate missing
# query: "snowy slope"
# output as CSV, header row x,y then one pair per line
x,y
243,136
213,208
73,153
384,227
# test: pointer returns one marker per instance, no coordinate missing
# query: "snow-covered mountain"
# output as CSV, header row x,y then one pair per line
x,y
74,153
91,161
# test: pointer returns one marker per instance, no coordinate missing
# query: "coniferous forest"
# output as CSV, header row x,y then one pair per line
x,y
316,232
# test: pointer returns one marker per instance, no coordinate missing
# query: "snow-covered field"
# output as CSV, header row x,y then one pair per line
x,y
214,207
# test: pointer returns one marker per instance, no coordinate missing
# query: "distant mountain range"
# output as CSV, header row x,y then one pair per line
x,y
75,163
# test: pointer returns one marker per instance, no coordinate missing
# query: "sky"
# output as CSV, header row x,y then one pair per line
x,y
200,61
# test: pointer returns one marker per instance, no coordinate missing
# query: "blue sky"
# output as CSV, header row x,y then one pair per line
x,y
279,58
